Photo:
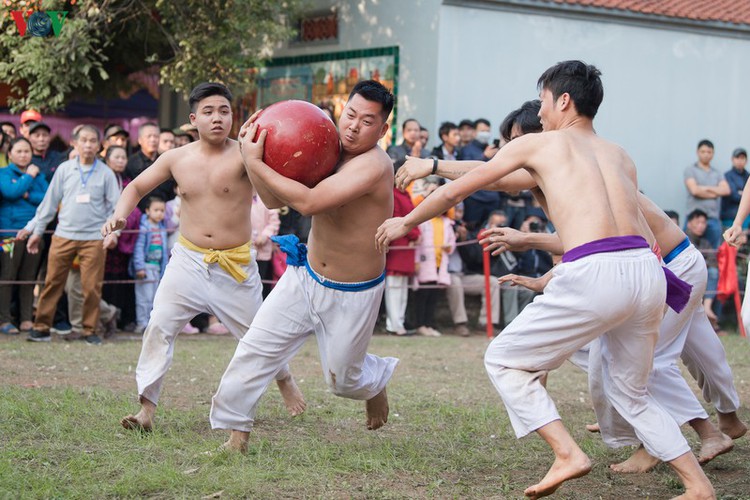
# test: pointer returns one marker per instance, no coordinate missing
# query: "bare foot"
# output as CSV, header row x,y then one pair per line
x,y
593,427
691,495
377,411
139,422
713,447
293,398
640,461
143,420
237,442
697,485
731,425
562,470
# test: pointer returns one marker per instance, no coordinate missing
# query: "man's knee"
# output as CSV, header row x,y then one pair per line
x,y
493,360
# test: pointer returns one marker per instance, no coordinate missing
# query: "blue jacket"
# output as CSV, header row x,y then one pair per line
x,y
15,210
48,163
730,204
138,262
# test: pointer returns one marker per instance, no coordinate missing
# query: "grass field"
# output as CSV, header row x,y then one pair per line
x,y
448,435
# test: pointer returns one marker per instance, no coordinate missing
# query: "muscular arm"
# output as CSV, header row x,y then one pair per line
x,y
508,160
269,200
511,183
346,185
501,239
144,183
353,181
417,168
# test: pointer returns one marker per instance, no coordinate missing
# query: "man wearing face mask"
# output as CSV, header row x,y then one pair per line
x,y
482,147
479,205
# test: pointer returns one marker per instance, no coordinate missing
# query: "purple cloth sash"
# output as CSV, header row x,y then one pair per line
x,y
678,291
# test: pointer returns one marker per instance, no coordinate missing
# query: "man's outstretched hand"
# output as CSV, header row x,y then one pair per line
x,y
391,229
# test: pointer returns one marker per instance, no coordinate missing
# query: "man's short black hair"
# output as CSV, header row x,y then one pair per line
x,y
377,92
423,129
580,80
164,130
445,128
527,118
483,121
705,142
673,215
407,121
466,123
207,89
697,213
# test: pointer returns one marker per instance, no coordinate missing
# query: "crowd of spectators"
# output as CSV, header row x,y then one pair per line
x,y
47,186
712,199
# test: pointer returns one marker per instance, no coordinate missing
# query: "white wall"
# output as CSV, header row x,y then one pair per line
x,y
410,24
664,90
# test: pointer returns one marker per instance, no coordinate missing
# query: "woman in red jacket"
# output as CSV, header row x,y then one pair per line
x,y
399,268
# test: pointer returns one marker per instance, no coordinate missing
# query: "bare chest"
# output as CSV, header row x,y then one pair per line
x,y
213,181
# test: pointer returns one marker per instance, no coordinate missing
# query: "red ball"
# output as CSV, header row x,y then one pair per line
x,y
302,142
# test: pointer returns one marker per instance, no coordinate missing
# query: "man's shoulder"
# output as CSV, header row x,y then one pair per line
x,y
693,167
374,155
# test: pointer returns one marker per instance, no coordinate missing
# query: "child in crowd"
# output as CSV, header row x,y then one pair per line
x,y
265,224
149,259
437,243
399,268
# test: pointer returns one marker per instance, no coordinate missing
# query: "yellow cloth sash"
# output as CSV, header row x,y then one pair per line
x,y
229,259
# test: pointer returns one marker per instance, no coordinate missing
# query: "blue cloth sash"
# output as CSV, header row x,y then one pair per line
x,y
677,250
296,255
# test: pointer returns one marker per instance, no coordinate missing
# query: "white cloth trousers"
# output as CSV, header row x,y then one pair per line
x,y
298,307
396,297
706,360
689,334
617,297
190,287
666,383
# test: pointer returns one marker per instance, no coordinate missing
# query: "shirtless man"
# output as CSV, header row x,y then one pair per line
x,y
578,171
212,269
701,350
334,288
666,382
